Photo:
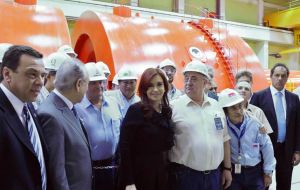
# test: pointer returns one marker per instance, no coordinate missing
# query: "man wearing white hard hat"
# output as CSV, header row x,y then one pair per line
x,y
244,89
106,72
201,136
169,68
51,63
3,48
249,147
68,50
126,95
115,83
102,119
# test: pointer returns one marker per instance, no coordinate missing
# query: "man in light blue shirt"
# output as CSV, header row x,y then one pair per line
x,y
247,145
101,118
126,94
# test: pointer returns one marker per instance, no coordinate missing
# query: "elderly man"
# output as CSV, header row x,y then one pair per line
x,y
169,68
281,107
102,120
201,136
69,151
125,95
23,152
244,89
52,63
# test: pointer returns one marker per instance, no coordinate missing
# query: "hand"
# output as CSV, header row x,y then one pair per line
x,y
130,187
296,159
263,130
226,178
267,180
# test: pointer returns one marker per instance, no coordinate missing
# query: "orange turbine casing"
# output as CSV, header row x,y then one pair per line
x,y
141,43
43,28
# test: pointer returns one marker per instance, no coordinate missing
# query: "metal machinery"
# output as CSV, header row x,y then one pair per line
x,y
122,39
24,22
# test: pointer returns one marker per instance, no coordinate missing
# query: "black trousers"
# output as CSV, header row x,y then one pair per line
x,y
284,168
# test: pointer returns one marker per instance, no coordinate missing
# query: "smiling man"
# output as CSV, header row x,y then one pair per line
x,y
22,147
201,136
282,110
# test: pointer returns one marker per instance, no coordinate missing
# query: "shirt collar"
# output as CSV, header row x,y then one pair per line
x,y
87,103
274,91
66,100
188,101
14,100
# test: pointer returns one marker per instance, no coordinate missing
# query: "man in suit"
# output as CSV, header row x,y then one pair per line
x,y
22,146
69,152
282,110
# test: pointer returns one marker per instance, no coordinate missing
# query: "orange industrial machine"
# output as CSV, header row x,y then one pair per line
x,y
25,23
122,39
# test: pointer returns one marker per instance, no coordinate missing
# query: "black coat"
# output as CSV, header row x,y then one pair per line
x,y
19,167
143,146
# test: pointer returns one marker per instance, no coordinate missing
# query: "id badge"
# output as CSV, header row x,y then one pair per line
x,y
237,168
218,123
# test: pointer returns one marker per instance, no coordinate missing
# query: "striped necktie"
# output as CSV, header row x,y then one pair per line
x,y
36,143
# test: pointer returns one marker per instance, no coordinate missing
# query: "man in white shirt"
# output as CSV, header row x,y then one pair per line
x,y
201,136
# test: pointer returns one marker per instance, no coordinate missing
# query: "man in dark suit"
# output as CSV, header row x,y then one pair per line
x,y
282,110
69,153
22,147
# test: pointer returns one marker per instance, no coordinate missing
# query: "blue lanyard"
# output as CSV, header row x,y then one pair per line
x,y
236,135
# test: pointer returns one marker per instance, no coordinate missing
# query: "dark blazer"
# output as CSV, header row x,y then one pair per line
x,y
19,166
143,146
69,154
263,100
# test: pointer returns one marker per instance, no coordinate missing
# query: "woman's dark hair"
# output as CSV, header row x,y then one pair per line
x,y
144,84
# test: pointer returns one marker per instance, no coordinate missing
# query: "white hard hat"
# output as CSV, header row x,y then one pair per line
x,y
67,50
229,97
115,80
3,48
126,73
196,66
166,62
104,67
54,61
95,73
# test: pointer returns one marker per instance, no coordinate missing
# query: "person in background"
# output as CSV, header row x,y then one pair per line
x,y
248,146
68,50
3,48
169,68
23,151
125,96
52,63
106,71
201,136
244,89
70,165
210,82
146,136
115,83
102,120
214,88
281,107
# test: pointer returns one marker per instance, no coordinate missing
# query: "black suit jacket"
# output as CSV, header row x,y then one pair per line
x,y
263,100
19,166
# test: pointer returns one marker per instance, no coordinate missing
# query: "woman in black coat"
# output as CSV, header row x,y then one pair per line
x,y
146,136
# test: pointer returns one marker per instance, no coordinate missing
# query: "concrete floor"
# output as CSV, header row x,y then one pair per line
x,y
295,180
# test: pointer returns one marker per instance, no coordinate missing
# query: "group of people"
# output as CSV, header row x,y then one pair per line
x,y
62,128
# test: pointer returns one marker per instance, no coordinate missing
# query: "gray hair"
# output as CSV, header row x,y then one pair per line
x,y
69,73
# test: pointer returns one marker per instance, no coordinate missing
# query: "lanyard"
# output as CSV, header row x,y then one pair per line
x,y
238,136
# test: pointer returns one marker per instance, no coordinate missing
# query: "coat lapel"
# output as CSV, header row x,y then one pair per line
x,y
14,122
288,107
270,104
69,116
